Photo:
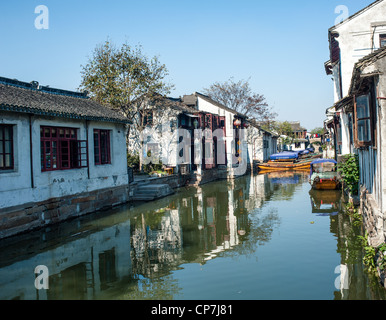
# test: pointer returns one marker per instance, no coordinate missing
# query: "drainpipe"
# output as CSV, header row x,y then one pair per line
x,y
88,160
31,151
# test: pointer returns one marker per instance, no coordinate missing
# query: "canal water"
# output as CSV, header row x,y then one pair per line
x,y
259,237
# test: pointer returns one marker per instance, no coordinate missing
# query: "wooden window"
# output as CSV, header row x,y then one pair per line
x,y
363,123
382,40
60,149
208,122
350,128
6,147
102,147
202,121
147,118
222,122
338,128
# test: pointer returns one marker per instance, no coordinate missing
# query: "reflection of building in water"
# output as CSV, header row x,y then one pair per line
x,y
209,223
223,213
125,256
256,192
82,267
156,242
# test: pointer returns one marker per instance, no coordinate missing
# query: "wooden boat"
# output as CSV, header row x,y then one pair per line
x,y
276,166
290,160
323,175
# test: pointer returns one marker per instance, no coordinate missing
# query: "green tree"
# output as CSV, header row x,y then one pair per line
x,y
284,129
123,77
318,130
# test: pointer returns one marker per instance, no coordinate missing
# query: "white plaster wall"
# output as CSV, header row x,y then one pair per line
x,y
160,133
302,147
346,148
208,107
15,186
336,83
355,39
255,144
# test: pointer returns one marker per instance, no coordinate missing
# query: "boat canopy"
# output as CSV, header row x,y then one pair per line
x,y
285,155
320,161
323,161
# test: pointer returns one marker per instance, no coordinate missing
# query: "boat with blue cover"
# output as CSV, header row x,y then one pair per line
x,y
285,155
289,160
324,175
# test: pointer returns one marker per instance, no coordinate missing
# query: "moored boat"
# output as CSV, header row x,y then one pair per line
x,y
289,160
286,165
323,175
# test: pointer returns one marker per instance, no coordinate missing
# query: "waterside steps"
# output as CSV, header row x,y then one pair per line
x,y
147,191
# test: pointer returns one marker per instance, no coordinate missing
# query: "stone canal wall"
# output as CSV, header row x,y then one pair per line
x,y
31,216
34,215
372,218
374,224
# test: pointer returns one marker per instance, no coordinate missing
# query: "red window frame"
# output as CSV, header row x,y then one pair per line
x,y
61,150
6,147
102,150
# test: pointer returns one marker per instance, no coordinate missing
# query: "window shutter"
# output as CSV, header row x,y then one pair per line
x,y
79,153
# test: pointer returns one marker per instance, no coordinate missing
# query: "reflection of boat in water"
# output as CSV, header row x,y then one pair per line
x,y
290,160
326,203
285,177
323,175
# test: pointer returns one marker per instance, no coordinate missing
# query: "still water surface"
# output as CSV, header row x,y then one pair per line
x,y
257,237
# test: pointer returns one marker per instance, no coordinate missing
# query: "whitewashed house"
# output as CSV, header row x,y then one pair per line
x,y
352,39
156,135
178,137
235,137
261,143
357,119
366,105
61,155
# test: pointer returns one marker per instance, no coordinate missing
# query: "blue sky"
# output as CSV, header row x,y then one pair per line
x,y
281,46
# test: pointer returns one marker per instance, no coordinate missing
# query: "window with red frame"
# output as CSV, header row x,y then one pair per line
x,y
6,147
60,149
102,147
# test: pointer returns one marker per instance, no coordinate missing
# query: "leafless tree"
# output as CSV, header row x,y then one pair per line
x,y
238,95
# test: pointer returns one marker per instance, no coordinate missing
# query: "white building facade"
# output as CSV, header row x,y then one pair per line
x,y
57,146
351,40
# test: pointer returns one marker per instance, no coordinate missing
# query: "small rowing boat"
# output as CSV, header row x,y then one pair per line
x,y
323,175
289,160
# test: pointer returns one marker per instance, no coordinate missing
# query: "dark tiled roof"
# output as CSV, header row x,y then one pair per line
x,y
17,96
362,64
257,124
210,100
371,58
173,103
295,125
